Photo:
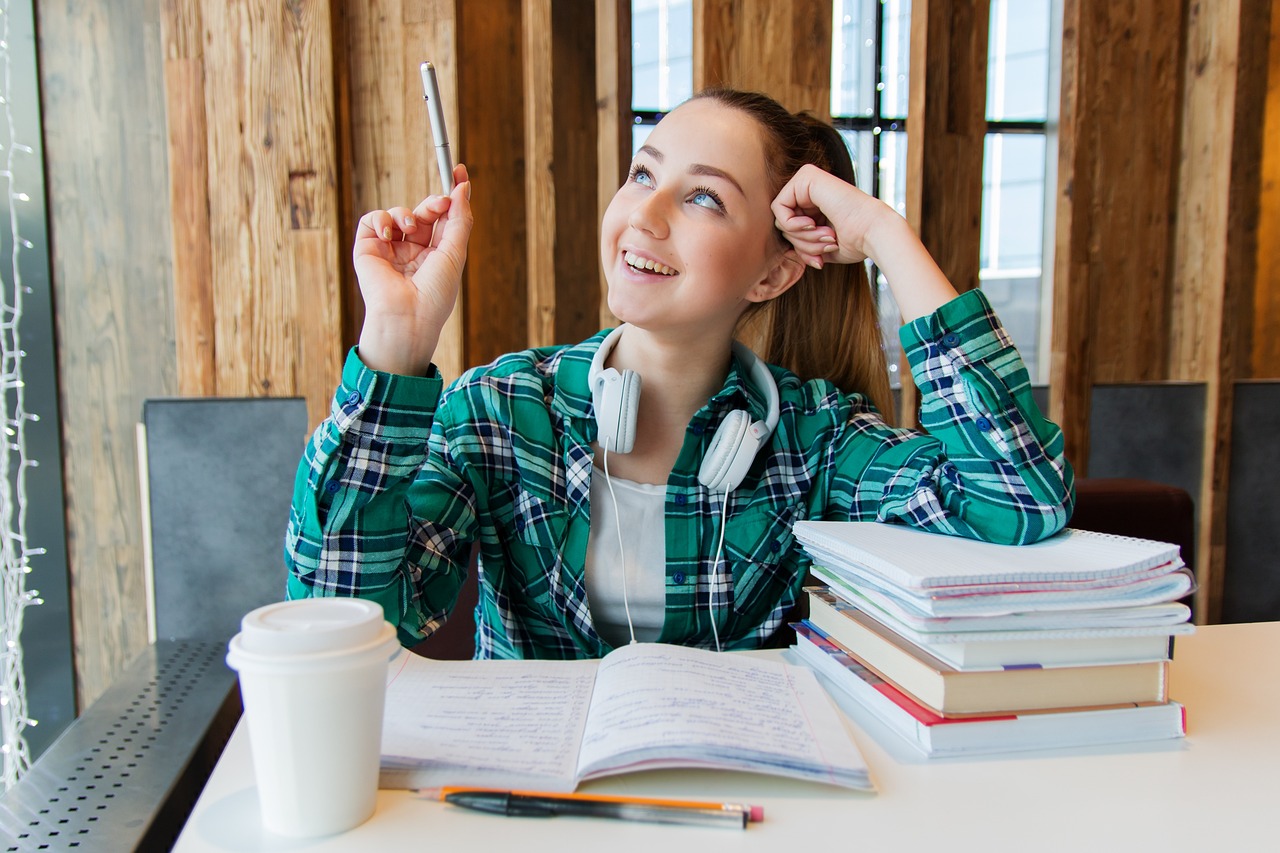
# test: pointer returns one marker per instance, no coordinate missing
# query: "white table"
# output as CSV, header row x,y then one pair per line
x,y
1218,789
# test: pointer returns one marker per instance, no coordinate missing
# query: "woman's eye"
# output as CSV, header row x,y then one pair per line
x,y
640,175
706,198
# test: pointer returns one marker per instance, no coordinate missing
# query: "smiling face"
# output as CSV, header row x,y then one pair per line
x,y
688,241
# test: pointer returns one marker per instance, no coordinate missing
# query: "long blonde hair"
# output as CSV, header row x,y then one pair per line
x,y
826,326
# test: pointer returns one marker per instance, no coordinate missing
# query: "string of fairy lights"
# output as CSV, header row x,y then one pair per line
x,y
15,552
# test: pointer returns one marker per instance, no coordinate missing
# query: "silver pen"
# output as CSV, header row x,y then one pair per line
x,y
435,110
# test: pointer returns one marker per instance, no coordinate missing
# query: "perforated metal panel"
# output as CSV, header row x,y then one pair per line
x,y
126,774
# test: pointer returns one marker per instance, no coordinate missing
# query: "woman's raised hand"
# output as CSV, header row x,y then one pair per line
x,y
409,264
829,220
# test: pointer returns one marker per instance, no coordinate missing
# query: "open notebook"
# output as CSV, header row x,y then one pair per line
x,y
551,724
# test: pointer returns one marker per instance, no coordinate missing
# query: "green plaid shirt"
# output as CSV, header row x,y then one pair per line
x,y
402,478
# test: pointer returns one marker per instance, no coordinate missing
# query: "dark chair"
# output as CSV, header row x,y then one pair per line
x,y
1141,508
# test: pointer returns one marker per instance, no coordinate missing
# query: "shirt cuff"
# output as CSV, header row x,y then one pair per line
x,y
963,331
371,401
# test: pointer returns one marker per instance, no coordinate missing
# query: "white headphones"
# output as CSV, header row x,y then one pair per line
x,y
616,397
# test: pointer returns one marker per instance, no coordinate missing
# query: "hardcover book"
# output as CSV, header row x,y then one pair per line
x,y
861,691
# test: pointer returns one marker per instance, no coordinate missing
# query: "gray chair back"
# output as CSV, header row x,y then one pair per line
x,y
218,481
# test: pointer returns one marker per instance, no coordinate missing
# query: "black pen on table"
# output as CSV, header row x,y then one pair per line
x,y
539,804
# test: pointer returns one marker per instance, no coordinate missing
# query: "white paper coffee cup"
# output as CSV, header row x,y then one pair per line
x,y
313,677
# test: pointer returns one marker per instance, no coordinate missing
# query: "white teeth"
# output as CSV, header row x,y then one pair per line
x,y
638,262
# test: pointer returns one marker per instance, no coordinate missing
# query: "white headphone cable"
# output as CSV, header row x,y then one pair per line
x,y
617,523
711,584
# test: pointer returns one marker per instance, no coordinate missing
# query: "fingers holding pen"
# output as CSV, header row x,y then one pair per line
x,y
387,225
400,234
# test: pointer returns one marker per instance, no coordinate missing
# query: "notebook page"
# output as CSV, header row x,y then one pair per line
x,y
502,723
916,559
658,705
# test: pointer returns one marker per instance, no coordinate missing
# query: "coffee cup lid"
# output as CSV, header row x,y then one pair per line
x,y
311,626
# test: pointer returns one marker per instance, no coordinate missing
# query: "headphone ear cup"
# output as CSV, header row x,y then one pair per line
x,y
732,449
616,397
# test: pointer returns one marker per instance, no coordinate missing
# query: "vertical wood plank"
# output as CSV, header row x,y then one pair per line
x,y
1115,198
1264,362
613,116
1135,53
946,133
489,102
576,250
189,197
540,180
1215,252
105,158
561,143
782,49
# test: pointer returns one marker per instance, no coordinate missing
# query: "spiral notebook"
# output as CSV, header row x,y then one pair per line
x,y
916,560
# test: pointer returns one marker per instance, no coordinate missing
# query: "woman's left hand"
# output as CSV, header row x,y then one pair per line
x,y
827,219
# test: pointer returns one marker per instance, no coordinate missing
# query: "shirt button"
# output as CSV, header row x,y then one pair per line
x,y
950,339
983,424
678,577
353,398
699,429
775,546
331,487
681,500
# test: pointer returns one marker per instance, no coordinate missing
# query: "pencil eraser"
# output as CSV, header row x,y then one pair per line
x,y
757,814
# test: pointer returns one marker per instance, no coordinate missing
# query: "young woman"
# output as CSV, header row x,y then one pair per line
x,y
643,483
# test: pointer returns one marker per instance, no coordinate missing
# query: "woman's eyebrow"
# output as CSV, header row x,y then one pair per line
x,y
696,168
712,171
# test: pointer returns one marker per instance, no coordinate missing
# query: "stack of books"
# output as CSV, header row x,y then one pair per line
x,y
965,647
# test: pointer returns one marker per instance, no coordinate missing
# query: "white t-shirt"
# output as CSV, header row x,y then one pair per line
x,y
641,508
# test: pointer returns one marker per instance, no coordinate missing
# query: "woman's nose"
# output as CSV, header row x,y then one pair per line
x,y
651,215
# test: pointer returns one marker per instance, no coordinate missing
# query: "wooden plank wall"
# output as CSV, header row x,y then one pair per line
x,y
269,264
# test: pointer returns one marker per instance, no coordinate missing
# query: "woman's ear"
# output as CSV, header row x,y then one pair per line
x,y
786,271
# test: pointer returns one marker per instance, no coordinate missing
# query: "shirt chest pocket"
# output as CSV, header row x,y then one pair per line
x,y
759,548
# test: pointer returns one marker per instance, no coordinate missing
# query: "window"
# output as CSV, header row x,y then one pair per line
x,y
1015,272
661,61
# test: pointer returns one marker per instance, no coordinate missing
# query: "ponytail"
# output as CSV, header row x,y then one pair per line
x,y
826,325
